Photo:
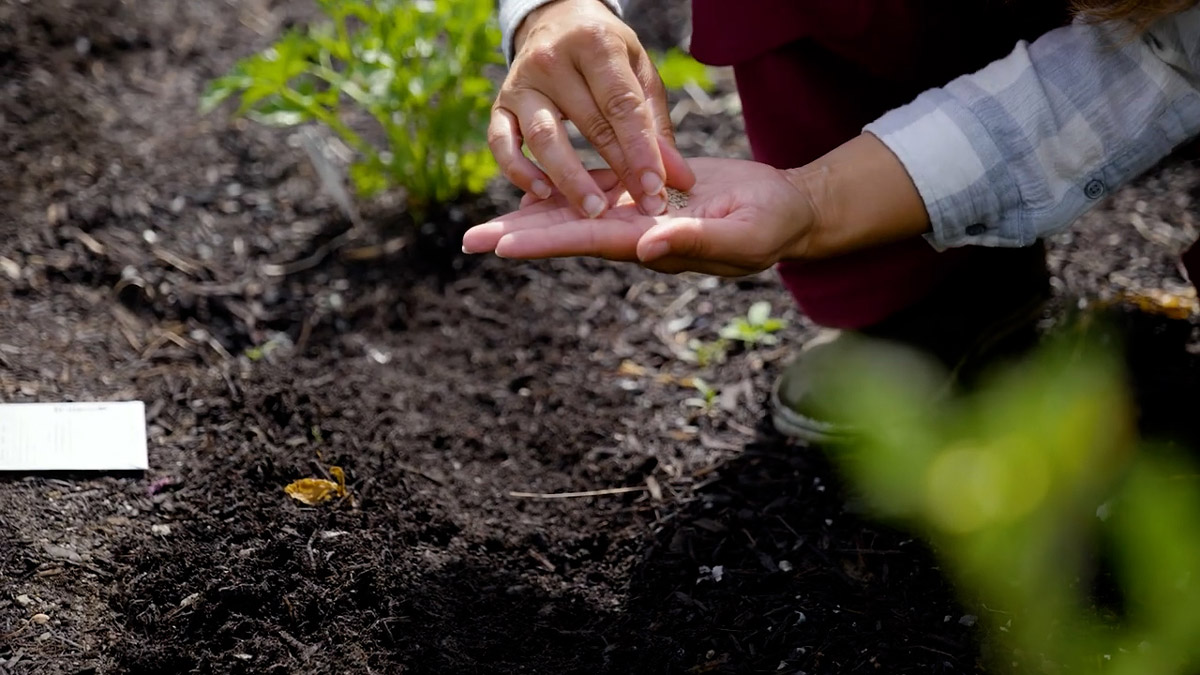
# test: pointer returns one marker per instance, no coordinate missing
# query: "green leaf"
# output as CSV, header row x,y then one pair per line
x,y
677,69
417,68
221,89
759,313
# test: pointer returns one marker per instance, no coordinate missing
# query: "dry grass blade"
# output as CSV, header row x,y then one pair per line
x,y
578,495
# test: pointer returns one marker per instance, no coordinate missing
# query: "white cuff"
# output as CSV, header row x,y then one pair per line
x,y
513,12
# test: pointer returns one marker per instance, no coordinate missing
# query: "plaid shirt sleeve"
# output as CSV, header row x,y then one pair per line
x,y
1025,146
513,12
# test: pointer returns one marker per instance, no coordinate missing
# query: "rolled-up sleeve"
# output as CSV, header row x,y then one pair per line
x,y
513,12
1025,146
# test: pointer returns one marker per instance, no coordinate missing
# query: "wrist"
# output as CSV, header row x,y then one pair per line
x,y
860,196
811,183
537,14
527,23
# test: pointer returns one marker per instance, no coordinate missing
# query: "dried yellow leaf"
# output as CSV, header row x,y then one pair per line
x,y
313,491
631,369
1164,303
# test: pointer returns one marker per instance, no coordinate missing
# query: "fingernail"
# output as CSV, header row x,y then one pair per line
x,y
654,205
593,206
655,251
465,250
651,183
540,189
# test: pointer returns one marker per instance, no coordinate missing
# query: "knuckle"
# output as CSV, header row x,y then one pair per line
x,y
497,138
622,105
596,35
541,132
689,245
541,58
511,173
599,131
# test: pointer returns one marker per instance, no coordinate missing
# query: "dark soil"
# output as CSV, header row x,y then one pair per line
x,y
133,236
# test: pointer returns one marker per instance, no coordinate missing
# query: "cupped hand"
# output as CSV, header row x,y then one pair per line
x,y
575,60
741,217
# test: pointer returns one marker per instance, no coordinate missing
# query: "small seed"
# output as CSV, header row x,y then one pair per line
x,y
677,198
39,619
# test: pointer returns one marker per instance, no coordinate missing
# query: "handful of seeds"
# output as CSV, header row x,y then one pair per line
x,y
677,198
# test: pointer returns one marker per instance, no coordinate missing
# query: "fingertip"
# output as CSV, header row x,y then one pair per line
x,y
540,188
593,206
652,183
481,238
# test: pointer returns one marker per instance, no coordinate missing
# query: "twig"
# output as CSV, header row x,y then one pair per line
x,y
303,264
407,468
188,267
578,495
545,562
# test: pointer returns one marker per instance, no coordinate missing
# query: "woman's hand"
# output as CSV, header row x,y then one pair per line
x,y
740,218
575,60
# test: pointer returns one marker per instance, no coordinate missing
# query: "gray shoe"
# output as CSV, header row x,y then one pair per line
x,y
801,395
966,327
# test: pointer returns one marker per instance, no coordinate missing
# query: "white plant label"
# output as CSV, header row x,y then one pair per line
x,y
73,436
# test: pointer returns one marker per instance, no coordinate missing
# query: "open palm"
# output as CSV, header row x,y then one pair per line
x,y
740,218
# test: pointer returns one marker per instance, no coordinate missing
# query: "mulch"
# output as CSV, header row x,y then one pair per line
x,y
134,238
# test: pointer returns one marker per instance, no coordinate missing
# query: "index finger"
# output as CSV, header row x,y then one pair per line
x,y
609,238
618,93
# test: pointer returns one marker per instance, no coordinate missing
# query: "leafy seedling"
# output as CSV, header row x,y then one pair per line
x,y
679,70
708,353
756,328
416,69
708,395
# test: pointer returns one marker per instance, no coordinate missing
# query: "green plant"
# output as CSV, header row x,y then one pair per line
x,y
1017,485
416,67
708,353
708,395
678,70
757,327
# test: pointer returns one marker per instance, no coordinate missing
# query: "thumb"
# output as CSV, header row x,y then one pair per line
x,y
708,239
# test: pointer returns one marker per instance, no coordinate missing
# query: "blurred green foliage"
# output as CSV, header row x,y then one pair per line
x,y
417,67
1020,487
677,69
757,327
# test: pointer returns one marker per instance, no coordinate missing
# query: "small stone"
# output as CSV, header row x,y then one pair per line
x,y
43,637
61,553
10,268
40,619
24,600
160,530
968,619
